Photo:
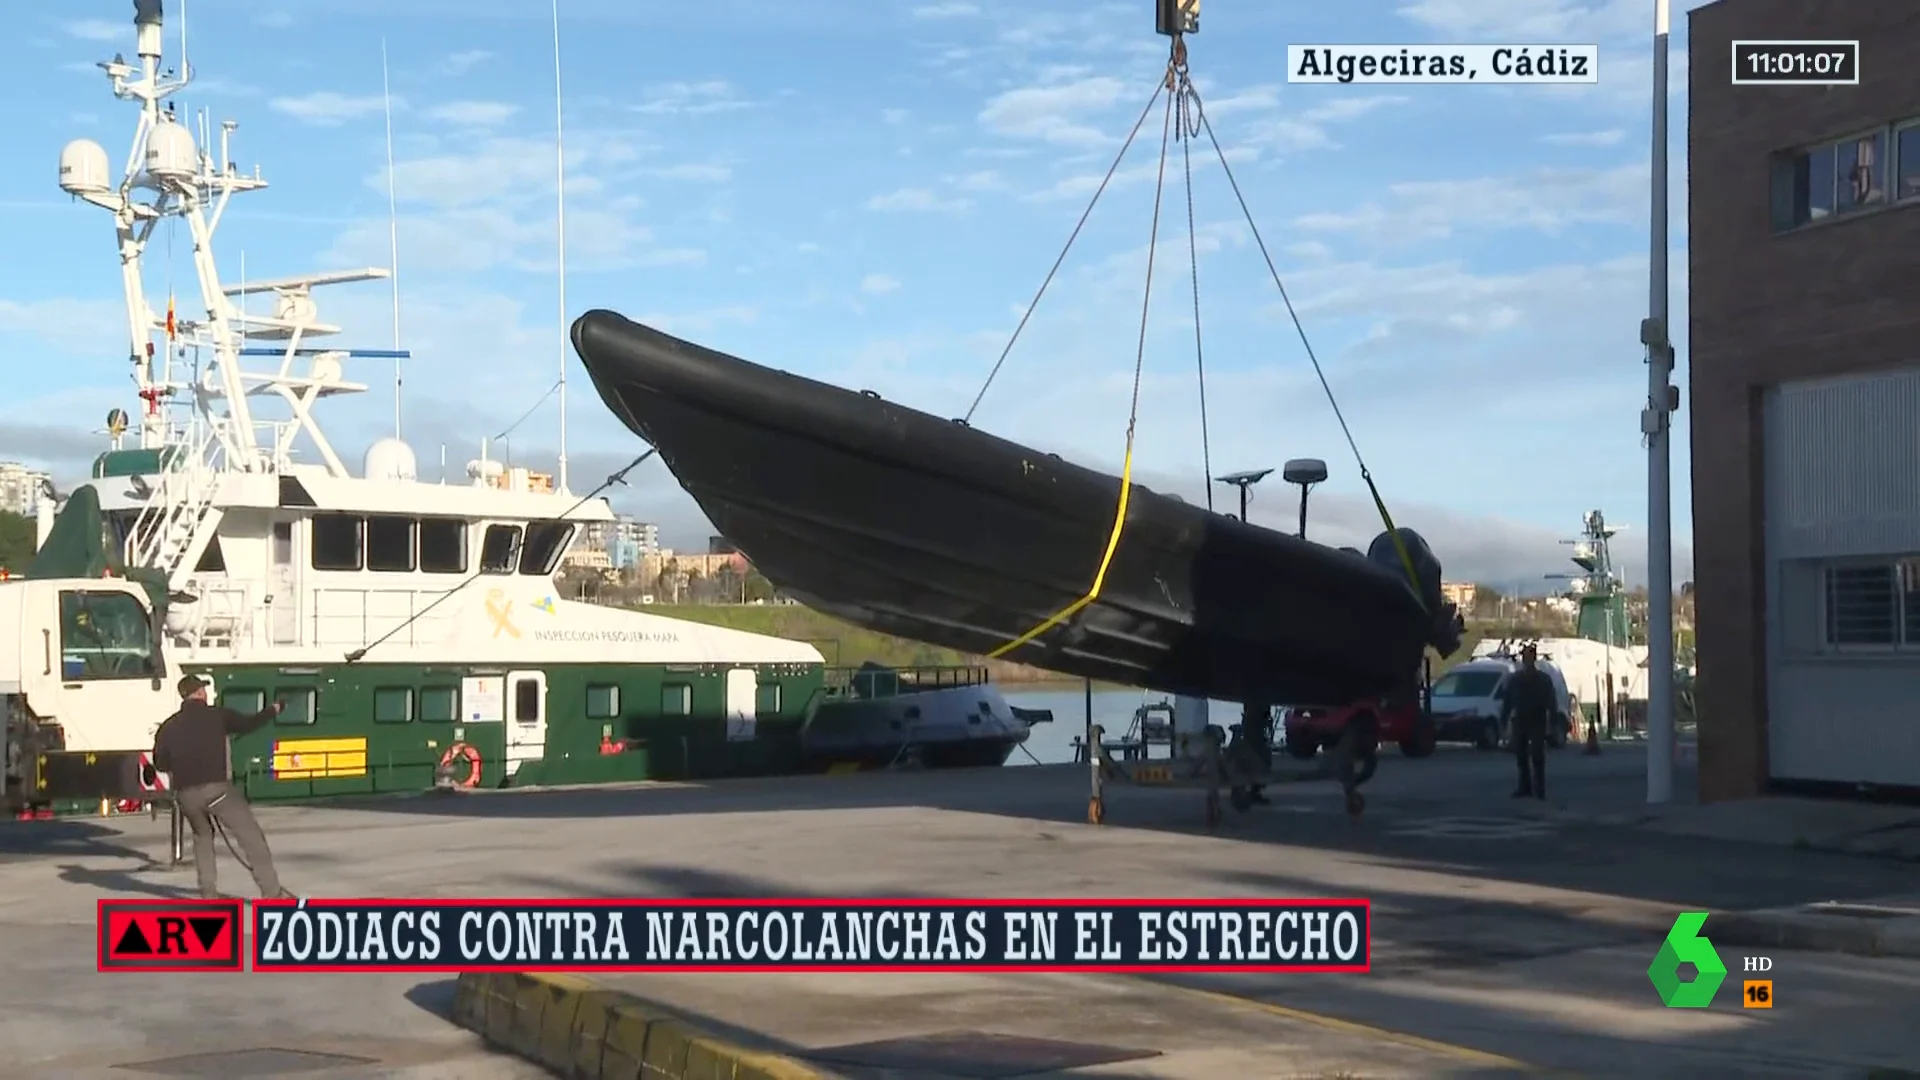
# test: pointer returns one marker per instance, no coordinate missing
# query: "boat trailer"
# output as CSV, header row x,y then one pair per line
x,y
1210,760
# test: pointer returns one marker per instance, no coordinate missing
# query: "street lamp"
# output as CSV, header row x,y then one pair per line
x,y
1243,481
1304,472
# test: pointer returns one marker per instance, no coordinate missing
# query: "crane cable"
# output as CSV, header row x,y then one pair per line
x,y
1184,98
1174,79
1379,504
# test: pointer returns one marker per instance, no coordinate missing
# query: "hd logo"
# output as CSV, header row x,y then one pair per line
x,y
1686,945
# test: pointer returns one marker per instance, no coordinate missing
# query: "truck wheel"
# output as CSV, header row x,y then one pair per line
x,y
1301,746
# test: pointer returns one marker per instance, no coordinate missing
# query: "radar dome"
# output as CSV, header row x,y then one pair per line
x,y
390,460
83,168
170,152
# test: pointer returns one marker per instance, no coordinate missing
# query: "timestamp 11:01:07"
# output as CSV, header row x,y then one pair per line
x,y
1801,63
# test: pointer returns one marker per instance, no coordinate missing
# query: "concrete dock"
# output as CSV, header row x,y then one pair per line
x,y
1510,937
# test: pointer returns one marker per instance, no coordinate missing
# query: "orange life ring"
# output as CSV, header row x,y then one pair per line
x,y
472,757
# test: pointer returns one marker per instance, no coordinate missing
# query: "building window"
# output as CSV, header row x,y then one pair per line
x,y
1873,606
603,702
439,704
1840,177
392,705
1906,162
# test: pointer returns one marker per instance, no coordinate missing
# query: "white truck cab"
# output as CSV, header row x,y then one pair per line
x,y
87,675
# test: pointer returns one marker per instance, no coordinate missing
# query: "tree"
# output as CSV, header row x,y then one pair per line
x,y
758,589
17,535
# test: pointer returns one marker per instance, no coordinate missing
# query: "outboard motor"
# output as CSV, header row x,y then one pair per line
x,y
1449,627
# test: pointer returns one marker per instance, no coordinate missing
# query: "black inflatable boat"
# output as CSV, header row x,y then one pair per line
x,y
913,525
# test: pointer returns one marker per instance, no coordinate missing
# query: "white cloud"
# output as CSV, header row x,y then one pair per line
x,y
691,99
893,116
878,284
702,173
919,200
1547,200
99,30
1307,129
474,113
461,62
951,10
984,180
1055,114
327,108
1609,137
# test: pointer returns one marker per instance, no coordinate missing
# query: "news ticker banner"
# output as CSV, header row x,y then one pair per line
x,y
737,935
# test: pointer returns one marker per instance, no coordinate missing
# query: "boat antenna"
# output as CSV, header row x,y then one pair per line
x,y
393,235
560,222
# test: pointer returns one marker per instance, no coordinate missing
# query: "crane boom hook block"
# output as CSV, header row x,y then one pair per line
x,y
1176,18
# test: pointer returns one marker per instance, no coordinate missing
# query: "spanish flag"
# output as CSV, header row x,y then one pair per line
x,y
171,326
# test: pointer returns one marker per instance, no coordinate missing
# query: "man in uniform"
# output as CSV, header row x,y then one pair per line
x,y
191,746
1526,711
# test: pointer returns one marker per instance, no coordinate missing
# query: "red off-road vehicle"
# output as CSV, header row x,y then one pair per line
x,y
1310,728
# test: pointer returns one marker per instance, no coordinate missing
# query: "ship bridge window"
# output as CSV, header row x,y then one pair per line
x,y
106,635
499,549
443,545
546,542
439,704
338,541
298,705
390,543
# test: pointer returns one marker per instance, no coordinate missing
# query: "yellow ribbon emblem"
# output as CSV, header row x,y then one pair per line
x,y
500,610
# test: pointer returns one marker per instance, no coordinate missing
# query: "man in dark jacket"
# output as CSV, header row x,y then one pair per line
x,y
1528,707
191,746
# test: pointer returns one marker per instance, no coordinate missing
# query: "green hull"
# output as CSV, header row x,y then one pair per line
x,y
671,722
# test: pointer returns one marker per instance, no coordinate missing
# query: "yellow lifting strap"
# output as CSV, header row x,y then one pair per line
x,y
1399,545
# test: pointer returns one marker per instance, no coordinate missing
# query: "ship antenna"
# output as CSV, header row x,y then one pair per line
x,y
393,235
560,220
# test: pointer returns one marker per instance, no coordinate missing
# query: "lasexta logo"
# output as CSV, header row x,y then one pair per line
x,y
170,935
1686,945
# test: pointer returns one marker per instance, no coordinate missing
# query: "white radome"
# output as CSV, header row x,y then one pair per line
x,y
390,460
84,168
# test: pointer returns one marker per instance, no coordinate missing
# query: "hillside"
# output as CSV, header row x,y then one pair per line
x,y
846,645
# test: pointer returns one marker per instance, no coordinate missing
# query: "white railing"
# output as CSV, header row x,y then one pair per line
x,y
165,530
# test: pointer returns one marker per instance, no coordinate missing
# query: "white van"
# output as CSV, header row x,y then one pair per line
x,y
1467,700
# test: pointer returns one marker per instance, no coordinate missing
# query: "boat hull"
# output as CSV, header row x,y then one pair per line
x,y
947,727
909,524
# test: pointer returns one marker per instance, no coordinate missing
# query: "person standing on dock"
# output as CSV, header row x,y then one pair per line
x,y
191,747
1526,712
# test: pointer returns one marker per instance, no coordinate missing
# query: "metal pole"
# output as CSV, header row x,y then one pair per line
x,y
1303,511
1655,424
1243,503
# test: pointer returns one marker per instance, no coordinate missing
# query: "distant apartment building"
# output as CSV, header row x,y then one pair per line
x,y
624,541
1459,593
21,488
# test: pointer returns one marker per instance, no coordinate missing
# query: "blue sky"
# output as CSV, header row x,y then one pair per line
x,y
870,193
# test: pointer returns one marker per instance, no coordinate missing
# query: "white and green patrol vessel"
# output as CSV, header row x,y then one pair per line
x,y
412,628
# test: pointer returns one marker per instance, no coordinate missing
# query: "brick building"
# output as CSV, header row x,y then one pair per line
x,y
1804,350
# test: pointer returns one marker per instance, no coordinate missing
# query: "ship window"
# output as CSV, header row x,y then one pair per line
x,y
392,705
498,550
244,702
439,704
676,699
546,542
337,541
526,701
768,698
443,545
106,635
603,702
390,544
283,543
211,560
298,705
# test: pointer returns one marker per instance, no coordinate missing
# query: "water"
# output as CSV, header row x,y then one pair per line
x,y
1052,744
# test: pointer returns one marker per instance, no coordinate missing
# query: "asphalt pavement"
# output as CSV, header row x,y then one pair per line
x,y
1510,937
